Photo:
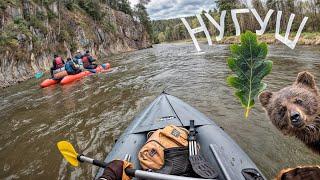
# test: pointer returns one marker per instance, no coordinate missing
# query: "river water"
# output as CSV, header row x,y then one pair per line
x,y
92,113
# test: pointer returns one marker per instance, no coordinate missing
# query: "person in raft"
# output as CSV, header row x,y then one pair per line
x,y
57,64
77,58
71,68
88,60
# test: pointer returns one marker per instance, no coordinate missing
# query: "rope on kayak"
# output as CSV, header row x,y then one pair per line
x,y
174,110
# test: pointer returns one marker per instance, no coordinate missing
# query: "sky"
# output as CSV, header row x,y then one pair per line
x,y
167,9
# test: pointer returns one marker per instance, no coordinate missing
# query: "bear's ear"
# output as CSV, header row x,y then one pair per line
x,y
306,79
265,97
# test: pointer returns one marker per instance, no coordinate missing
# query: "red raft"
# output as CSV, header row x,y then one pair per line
x,y
48,82
71,78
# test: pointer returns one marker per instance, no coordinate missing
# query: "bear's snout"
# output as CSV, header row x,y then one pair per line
x,y
296,119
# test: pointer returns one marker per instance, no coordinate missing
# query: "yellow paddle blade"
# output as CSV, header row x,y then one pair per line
x,y
68,152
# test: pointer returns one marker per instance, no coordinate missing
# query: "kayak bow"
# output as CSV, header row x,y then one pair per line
x,y
216,146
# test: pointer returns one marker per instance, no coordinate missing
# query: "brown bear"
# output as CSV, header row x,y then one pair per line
x,y
295,110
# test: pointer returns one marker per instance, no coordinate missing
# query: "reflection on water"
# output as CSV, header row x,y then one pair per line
x,y
93,112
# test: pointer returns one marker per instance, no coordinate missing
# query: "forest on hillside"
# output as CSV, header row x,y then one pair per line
x,y
173,29
37,19
33,30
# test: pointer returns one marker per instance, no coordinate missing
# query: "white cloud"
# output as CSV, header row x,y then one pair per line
x,y
167,9
133,2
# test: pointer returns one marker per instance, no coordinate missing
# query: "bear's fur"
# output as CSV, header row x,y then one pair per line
x,y
295,110
299,173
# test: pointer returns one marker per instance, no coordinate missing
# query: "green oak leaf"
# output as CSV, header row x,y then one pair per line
x,y
249,65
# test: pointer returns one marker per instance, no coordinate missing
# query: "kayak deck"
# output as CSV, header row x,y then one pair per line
x,y
227,158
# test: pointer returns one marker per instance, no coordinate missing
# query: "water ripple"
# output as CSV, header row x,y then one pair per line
x,y
92,113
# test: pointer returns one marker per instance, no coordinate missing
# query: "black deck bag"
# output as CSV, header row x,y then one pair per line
x,y
176,162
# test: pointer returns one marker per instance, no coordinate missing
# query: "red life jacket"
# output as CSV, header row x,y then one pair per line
x,y
85,61
59,63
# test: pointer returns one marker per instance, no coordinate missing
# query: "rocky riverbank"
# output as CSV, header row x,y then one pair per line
x,y
32,31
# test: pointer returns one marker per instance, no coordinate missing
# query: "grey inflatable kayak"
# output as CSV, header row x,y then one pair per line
x,y
225,156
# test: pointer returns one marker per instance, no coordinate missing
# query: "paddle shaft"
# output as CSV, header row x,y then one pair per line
x,y
136,173
156,176
86,159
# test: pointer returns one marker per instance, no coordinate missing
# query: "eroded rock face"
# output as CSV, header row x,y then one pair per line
x,y
33,46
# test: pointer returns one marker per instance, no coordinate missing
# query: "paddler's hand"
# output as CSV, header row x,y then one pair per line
x,y
300,173
115,170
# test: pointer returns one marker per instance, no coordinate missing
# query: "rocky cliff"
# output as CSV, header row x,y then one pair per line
x,y
33,30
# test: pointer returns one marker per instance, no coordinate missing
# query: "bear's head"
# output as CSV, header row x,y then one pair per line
x,y
295,107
